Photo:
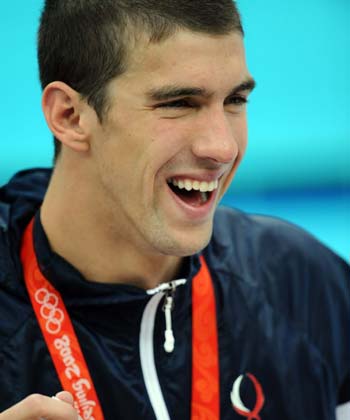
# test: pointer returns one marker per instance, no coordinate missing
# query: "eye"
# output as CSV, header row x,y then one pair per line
x,y
179,103
236,100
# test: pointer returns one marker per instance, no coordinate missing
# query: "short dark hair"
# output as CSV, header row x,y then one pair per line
x,y
84,43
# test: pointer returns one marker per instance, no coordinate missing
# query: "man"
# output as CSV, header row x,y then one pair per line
x,y
118,285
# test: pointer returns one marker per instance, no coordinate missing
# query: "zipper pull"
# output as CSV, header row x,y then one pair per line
x,y
169,342
168,289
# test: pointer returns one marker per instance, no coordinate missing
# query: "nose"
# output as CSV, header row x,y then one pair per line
x,y
215,138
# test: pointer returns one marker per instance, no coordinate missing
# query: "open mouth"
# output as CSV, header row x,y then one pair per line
x,y
193,193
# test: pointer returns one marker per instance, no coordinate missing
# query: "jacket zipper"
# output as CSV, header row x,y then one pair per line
x,y
148,366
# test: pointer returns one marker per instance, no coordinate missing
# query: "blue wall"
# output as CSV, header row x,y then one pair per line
x,y
298,51
300,114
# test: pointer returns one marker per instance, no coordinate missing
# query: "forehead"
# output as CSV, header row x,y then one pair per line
x,y
212,61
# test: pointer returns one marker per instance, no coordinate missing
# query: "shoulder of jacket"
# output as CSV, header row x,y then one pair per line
x,y
15,307
22,194
281,269
269,241
287,267
19,200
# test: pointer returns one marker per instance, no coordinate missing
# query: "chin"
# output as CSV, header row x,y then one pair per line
x,y
188,244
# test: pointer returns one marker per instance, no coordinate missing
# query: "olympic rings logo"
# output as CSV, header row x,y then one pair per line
x,y
48,310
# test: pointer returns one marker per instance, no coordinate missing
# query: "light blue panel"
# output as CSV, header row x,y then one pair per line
x,y
25,141
300,113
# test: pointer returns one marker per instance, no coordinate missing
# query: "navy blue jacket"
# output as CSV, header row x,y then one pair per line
x,y
283,308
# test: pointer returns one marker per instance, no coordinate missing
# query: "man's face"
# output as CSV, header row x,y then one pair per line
x,y
171,143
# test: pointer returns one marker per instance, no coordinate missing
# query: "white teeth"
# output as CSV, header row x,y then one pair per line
x,y
189,185
204,187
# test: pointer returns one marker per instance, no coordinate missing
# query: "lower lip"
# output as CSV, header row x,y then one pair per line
x,y
196,212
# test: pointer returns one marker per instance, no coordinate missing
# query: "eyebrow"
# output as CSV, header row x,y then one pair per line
x,y
168,92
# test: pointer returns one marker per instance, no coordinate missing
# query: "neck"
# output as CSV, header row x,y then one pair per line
x,y
77,230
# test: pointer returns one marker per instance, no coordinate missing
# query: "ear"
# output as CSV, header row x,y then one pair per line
x,y
63,108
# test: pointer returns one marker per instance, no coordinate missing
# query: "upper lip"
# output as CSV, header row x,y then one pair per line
x,y
207,176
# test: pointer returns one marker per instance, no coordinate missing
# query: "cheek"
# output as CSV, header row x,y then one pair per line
x,y
168,138
124,148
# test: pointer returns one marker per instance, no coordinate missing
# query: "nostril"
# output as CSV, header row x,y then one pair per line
x,y
223,153
217,144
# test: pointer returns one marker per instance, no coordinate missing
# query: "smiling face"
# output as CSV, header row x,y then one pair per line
x,y
171,143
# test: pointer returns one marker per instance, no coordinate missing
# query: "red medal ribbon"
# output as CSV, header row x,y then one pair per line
x,y
68,357
59,334
205,353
